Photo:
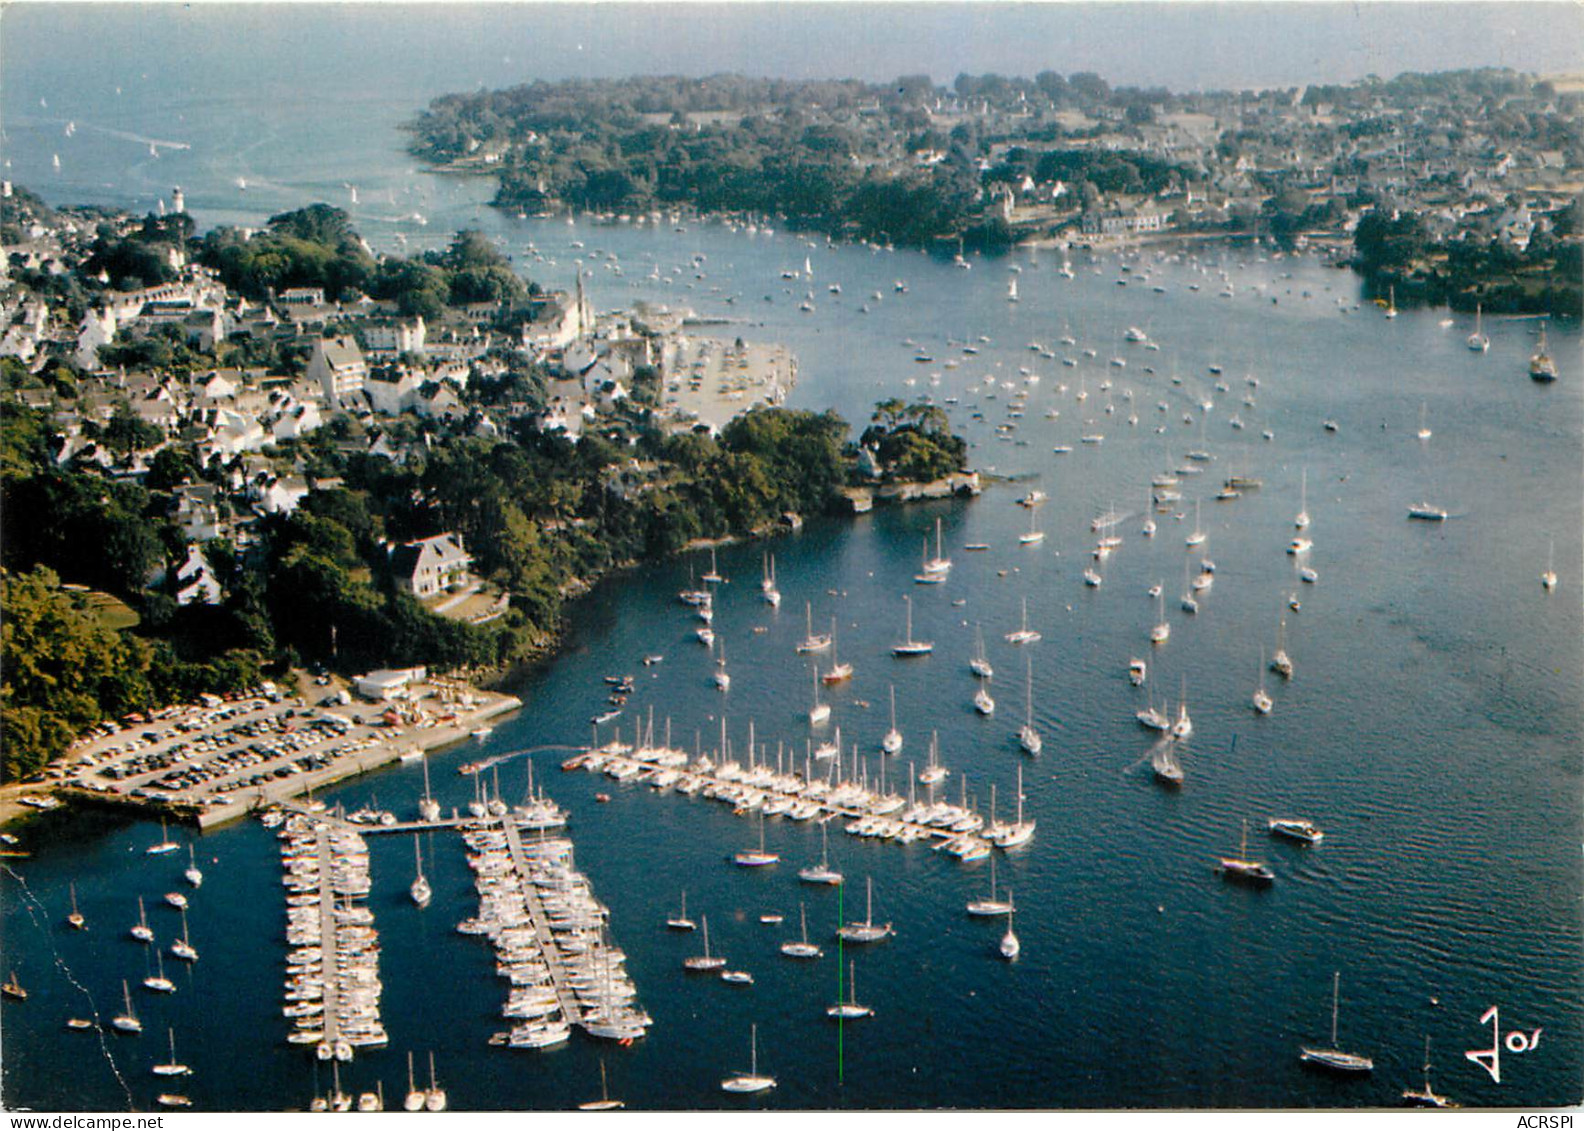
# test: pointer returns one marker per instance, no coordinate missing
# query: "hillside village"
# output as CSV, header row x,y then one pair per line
x,y
1460,187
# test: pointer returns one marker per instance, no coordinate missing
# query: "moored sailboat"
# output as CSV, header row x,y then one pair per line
x,y
1334,1059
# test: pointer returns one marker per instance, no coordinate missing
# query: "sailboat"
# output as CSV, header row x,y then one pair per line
x,y
1168,772
1281,663
1241,869
1148,529
1028,737
1548,579
1010,947
1198,536
180,947
415,1095
838,671
713,577
172,1067
1262,701
750,1082
140,930
979,664
849,1010
982,701
1391,302
192,873
1024,635
1189,603
991,906
75,917
772,596
126,1022
820,713
1035,535
756,858
420,890
166,844
1303,501
1478,341
1541,368
604,1103
867,931
1424,432
892,742
435,1097
821,873
803,948
940,563
1334,1058
721,676
1426,1097
1012,295
810,642
933,772
680,921
705,961
159,983
1183,727
909,646
13,988
1161,632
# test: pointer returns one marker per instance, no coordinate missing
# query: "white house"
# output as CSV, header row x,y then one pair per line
x,y
337,365
430,565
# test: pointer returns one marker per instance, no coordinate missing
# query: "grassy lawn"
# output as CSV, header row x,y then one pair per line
x,y
111,611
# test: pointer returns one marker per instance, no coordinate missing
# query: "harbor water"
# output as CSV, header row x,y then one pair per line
x,y
1431,729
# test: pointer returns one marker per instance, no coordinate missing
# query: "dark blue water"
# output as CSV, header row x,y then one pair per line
x,y
1432,729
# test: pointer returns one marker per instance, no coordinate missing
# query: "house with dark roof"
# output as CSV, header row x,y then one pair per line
x,y
430,565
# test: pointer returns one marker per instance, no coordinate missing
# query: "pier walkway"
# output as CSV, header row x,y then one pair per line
x,y
570,1007
327,938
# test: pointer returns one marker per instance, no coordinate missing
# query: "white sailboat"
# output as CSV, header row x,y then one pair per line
x,y
1541,368
749,1082
126,1021
415,1095
1012,292
604,1103
713,577
909,646
1478,341
1010,946
934,771
1198,536
75,917
705,961
1548,579
192,873
166,844
435,1098
1028,737
756,858
1333,1058
420,890
1427,1096
867,931
1424,431
140,929
721,677
1024,635
839,671
181,947
849,1010
802,948
990,906
1281,663
1303,501
940,563
158,982
982,701
820,713
892,742
1035,535
1162,630
811,642
172,1067
1262,701
979,663
1183,726
821,873
767,586
680,921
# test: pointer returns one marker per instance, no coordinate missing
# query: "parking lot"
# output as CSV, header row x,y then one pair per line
x,y
220,757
